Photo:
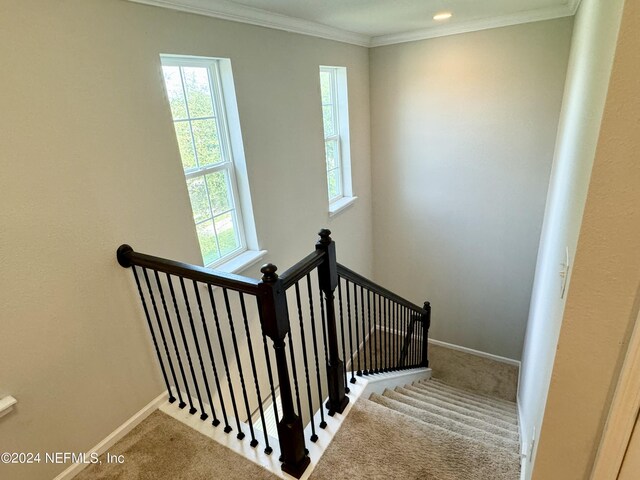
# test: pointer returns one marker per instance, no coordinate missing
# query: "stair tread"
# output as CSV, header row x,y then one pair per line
x,y
486,403
485,462
487,425
446,386
505,422
464,402
467,431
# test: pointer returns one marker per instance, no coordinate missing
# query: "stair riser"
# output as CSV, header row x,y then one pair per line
x,y
465,403
486,406
453,416
508,424
465,430
509,406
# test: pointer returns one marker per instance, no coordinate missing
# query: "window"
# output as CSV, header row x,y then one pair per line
x,y
194,88
335,119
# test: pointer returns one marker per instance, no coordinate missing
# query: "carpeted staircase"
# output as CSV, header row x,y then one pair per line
x,y
477,418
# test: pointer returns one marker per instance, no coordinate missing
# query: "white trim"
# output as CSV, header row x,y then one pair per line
x,y
491,356
476,25
241,262
236,12
115,436
339,205
622,415
6,405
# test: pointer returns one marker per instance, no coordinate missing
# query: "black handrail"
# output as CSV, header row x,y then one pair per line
x,y
393,332
128,257
302,268
361,281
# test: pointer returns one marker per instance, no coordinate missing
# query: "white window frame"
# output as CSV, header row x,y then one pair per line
x,y
341,136
232,152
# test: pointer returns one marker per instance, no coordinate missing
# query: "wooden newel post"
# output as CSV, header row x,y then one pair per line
x,y
426,323
274,318
328,280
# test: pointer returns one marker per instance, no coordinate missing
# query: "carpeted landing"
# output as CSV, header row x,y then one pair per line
x,y
427,430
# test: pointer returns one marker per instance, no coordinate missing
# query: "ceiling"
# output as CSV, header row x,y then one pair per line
x,y
376,22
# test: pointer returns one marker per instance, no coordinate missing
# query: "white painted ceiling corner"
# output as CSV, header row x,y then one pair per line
x,y
349,23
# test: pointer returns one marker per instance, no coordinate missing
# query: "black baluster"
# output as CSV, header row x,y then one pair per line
x,y
365,336
419,350
181,403
225,362
370,340
395,336
353,378
203,413
234,340
344,354
324,328
323,424
385,304
314,437
252,360
193,409
358,347
294,371
375,334
153,334
164,339
416,354
215,421
415,339
379,335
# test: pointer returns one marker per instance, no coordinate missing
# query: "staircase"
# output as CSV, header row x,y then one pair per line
x,y
479,422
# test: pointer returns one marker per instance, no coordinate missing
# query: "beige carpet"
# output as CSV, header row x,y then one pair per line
x,y
163,448
471,372
385,444
464,429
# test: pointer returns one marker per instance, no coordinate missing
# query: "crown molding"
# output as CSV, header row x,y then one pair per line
x,y
476,25
235,12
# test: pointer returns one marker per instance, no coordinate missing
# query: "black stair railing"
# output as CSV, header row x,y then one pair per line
x,y
391,333
204,327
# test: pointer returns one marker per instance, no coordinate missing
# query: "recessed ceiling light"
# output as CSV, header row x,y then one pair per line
x,y
443,16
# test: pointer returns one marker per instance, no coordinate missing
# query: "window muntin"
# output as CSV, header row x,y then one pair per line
x,y
195,98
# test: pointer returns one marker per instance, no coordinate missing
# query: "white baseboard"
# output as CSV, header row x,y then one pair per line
x,y
471,351
115,436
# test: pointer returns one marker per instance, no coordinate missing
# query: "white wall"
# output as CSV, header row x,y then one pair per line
x,y
89,161
593,45
463,131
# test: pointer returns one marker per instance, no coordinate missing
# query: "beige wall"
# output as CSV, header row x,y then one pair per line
x,y
603,299
89,161
592,49
463,134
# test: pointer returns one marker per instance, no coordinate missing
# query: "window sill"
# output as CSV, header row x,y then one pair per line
x,y
242,261
340,205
